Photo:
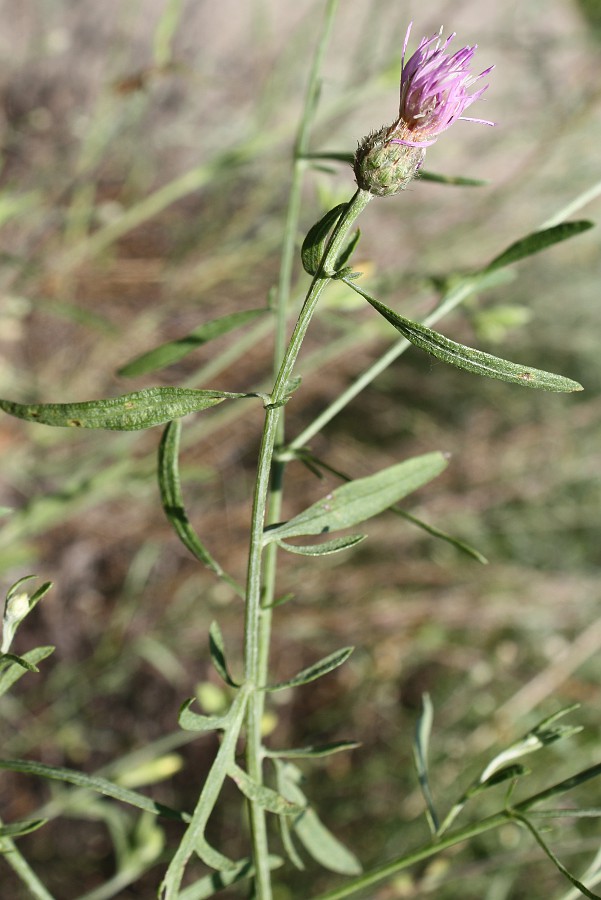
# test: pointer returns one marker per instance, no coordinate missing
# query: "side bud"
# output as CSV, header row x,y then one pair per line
x,y
384,167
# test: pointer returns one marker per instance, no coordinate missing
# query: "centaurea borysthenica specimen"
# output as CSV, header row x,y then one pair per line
x,y
434,94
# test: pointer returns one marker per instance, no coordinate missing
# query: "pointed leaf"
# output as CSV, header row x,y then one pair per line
x,y
314,244
317,840
313,752
209,885
549,853
16,829
172,351
217,651
325,665
537,241
7,658
455,180
346,254
325,549
468,358
130,412
213,858
361,499
421,746
12,674
266,798
288,843
498,777
442,535
173,502
191,721
93,783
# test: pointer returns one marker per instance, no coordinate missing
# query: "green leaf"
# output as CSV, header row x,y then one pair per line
x,y
16,829
191,721
18,661
346,254
421,746
130,412
467,358
266,798
315,243
209,885
549,853
313,752
317,840
213,858
441,535
93,783
172,351
455,180
325,549
537,241
312,673
217,651
173,502
12,674
544,733
361,499
499,777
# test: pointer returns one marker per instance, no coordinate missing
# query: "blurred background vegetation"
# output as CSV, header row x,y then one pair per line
x,y
145,167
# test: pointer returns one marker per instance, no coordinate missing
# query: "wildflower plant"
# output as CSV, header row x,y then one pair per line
x,y
436,88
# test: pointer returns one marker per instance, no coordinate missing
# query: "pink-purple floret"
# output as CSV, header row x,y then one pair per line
x,y
434,89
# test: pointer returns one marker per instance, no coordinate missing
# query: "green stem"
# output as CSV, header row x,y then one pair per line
x,y
19,864
256,633
386,871
209,795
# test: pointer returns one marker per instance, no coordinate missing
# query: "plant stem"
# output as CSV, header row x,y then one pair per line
x,y
256,633
20,865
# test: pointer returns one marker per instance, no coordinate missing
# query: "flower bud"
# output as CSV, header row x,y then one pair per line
x,y
383,168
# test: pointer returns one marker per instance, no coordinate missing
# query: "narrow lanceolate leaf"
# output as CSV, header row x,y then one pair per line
x,y
16,829
313,752
173,502
455,180
471,360
317,840
421,746
266,798
325,665
8,658
15,671
361,499
212,857
217,651
191,721
93,783
171,352
325,549
130,412
315,243
537,241
209,885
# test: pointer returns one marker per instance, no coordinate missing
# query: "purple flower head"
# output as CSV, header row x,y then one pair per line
x,y
434,90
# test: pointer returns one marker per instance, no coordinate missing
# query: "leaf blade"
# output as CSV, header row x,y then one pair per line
x,y
129,412
361,499
468,358
536,242
173,351
313,672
